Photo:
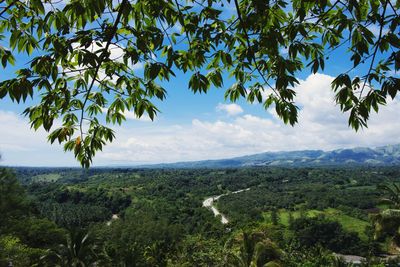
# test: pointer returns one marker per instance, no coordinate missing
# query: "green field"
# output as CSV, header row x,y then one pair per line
x,y
349,223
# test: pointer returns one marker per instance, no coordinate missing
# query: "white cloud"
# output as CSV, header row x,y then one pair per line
x,y
321,126
131,115
230,109
116,54
20,145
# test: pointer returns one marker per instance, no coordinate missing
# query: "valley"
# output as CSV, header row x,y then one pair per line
x,y
202,217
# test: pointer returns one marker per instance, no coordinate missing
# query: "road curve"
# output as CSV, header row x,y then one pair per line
x,y
209,204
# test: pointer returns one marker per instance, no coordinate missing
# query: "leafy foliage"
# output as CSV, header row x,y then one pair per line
x,y
11,195
73,68
73,215
387,222
165,224
393,192
12,250
78,250
255,250
328,234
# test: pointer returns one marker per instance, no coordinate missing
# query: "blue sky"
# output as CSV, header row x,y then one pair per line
x,y
204,126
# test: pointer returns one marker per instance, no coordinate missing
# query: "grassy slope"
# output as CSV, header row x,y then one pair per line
x,y
349,223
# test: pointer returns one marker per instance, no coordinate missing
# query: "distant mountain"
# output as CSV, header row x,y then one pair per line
x,y
385,155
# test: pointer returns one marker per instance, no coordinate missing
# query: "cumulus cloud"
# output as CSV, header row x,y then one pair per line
x,y
20,145
321,126
116,54
131,115
230,109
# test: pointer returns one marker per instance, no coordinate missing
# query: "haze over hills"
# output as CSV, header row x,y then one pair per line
x,y
385,155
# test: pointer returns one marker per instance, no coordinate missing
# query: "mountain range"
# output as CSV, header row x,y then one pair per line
x,y
380,156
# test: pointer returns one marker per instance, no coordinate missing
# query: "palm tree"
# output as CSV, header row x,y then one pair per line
x,y
79,250
393,193
154,255
255,250
387,222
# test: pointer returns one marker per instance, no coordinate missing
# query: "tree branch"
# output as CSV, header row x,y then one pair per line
x,y
8,7
382,24
253,56
101,59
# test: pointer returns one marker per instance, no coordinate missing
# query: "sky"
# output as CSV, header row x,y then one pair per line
x,y
205,126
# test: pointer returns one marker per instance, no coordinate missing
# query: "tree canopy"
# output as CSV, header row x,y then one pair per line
x,y
83,57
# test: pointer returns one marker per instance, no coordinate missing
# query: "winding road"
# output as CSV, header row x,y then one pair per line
x,y
209,204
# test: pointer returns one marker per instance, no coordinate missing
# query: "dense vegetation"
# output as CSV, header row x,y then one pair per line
x,y
144,217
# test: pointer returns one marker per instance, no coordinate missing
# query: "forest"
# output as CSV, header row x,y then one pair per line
x,y
154,217
80,68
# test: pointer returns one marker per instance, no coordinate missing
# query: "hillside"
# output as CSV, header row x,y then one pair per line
x,y
379,156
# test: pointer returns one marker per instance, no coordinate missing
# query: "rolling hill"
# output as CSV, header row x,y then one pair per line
x,y
385,155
